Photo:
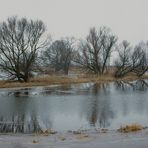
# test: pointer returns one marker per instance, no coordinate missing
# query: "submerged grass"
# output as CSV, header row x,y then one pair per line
x,y
61,79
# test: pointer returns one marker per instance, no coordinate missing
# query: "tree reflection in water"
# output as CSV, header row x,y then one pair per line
x,y
95,105
100,112
21,113
18,124
141,85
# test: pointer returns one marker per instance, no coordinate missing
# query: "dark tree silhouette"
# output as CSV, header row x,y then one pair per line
x,y
20,40
131,60
95,52
123,63
139,59
59,55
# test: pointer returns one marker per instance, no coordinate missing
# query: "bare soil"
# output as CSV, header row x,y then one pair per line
x,y
85,139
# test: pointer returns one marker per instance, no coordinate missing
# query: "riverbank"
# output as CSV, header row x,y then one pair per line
x,y
86,139
60,79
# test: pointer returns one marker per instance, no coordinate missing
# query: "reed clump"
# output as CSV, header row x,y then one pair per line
x,y
130,128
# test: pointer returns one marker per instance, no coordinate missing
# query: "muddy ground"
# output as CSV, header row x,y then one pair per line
x,y
85,139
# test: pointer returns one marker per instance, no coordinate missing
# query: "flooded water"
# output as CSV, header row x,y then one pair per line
x,y
73,107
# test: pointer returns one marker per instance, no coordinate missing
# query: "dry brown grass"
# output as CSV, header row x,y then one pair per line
x,y
62,138
46,132
35,141
130,128
104,130
61,79
83,137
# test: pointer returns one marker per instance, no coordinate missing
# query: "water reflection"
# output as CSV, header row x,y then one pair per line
x,y
141,85
19,124
99,106
20,92
71,107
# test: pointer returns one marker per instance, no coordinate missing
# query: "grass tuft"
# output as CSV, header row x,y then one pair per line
x,y
130,128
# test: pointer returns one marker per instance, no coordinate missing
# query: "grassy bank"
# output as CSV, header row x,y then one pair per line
x,y
60,79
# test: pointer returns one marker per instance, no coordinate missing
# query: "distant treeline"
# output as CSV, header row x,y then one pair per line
x,y
25,49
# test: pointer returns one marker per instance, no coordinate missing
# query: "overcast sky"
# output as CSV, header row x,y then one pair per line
x,y
128,19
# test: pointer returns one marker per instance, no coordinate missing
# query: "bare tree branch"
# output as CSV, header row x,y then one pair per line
x,y
19,43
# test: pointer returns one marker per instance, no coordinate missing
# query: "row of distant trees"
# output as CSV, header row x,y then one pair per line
x,y
24,49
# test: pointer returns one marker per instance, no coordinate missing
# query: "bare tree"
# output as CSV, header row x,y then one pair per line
x,y
59,55
20,40
140,59
131,60
123,62
95,51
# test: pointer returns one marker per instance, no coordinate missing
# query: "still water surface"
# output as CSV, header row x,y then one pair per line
x,y
73,107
